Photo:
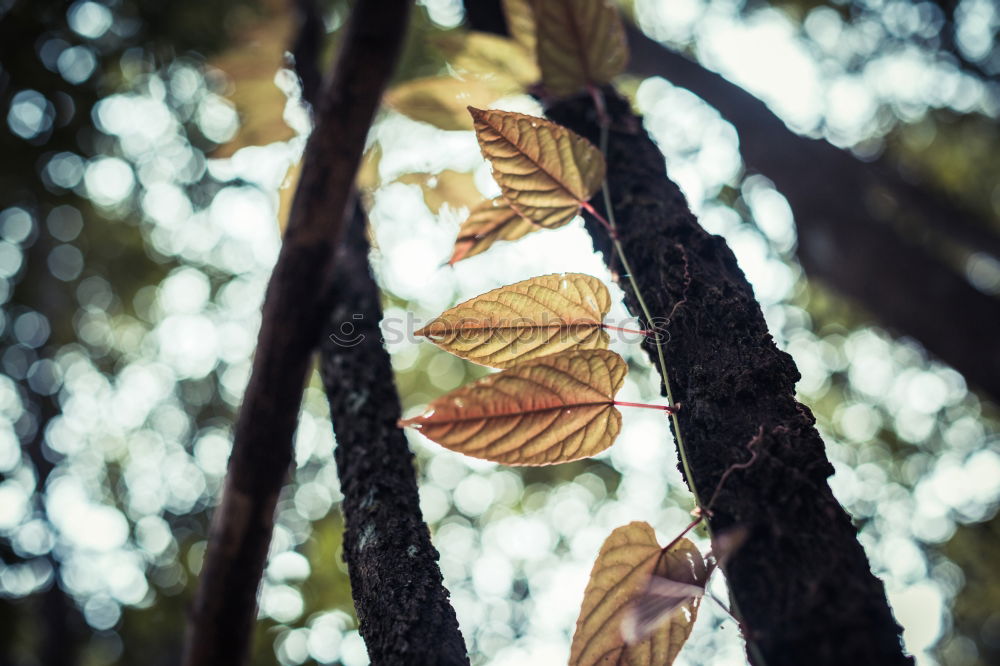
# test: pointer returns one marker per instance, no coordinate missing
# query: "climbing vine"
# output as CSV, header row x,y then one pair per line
x,y
554,399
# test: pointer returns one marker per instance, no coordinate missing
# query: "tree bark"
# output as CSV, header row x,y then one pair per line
x,y
222,617
878,255
403,608
801,581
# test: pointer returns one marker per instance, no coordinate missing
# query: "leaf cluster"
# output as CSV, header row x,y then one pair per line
x,y
554,399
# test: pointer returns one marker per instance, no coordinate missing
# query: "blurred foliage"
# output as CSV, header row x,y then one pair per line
x,y
259,42
956,152
977,617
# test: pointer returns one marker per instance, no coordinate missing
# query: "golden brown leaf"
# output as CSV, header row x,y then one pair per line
x,y
286,194
506,65
548,410
544,170
521,22
457,188
489,222
368,176
671,595
537,317
580,42
258,52
441,100
629,559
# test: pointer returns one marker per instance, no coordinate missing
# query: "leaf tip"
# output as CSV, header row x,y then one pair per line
x,y
462,247
410,423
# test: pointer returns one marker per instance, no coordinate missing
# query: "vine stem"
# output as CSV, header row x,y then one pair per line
x,y
703,512
608,327
691,526
664,408
609,222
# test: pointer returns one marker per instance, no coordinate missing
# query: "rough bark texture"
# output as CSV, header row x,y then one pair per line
x,y
403,608
224,609
862,229
801,581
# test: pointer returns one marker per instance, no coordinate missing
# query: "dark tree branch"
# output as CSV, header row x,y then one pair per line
x,y
306,50
224,609
848,243
486,16
403,608
801,581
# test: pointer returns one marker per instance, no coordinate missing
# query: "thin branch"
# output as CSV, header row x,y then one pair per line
x,y
224,610
307,48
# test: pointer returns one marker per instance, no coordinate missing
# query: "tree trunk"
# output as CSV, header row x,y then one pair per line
x,y
801,581
880,255
403,608
224,610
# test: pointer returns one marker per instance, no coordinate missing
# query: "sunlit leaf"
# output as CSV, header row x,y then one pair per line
x,y
548,410
441,100
286,194
580,42
544,170
629,561
489,222
456,188
537,317
258,52
661,599
502,62
670,598
368,175
521,22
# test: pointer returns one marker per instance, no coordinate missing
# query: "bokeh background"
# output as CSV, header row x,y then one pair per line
x,y
147,151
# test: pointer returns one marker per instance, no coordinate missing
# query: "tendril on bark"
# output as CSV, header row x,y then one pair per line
x,y
703,512
604,123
